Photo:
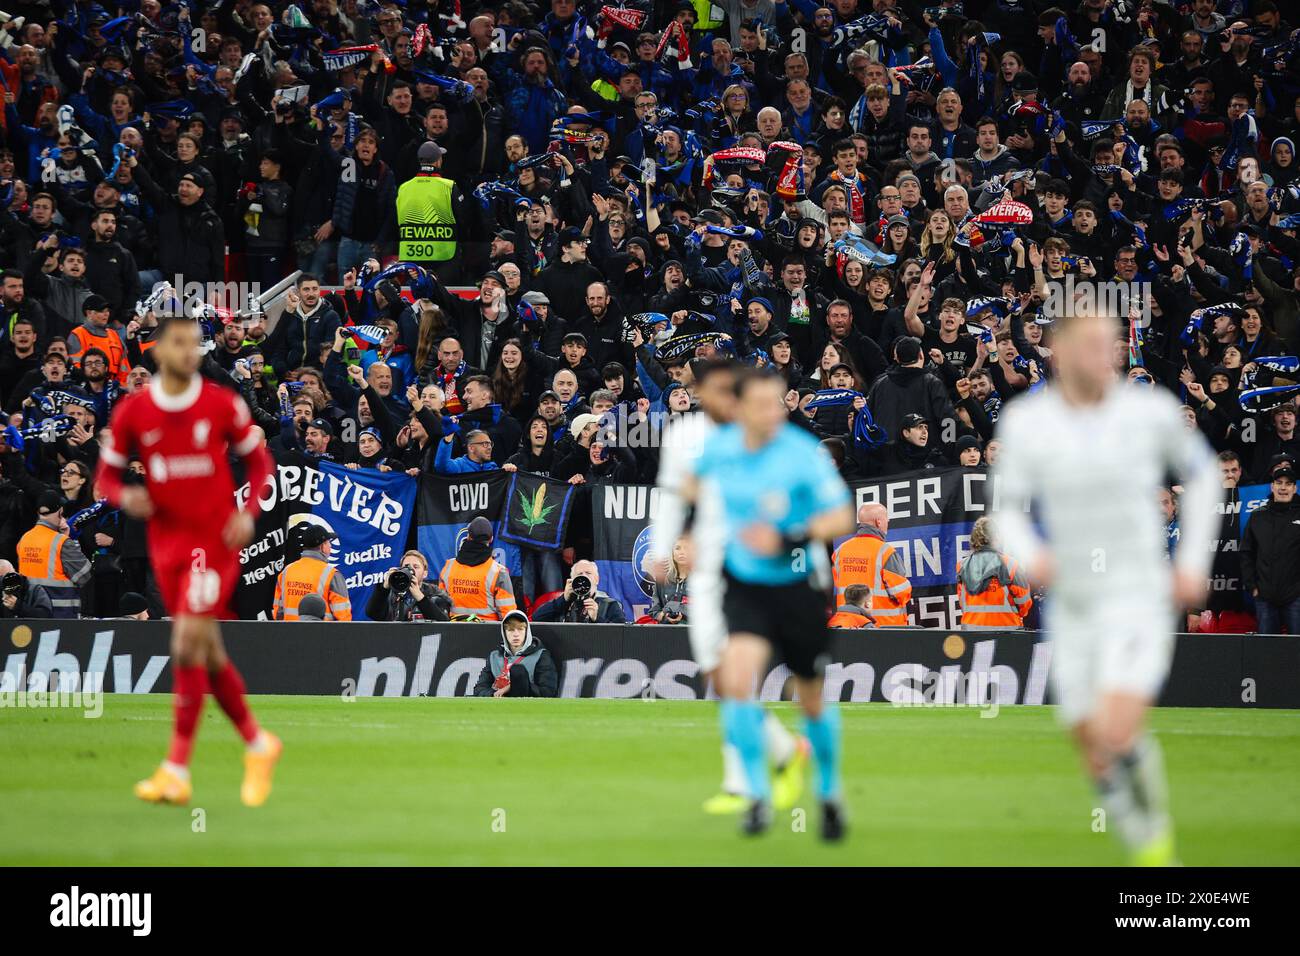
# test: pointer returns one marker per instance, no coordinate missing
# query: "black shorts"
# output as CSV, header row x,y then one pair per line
x,y
792,617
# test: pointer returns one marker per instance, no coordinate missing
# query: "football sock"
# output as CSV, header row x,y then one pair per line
x,y
778,741
228,689
733,770
1145,766
190,684
742,721
1124,816
824,735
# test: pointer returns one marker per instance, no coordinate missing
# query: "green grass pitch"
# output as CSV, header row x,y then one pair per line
x,y
460,782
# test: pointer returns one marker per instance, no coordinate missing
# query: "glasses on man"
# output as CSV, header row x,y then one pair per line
x,y
485,441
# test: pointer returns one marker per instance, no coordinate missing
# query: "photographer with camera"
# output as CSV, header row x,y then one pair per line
x,y
669,602
582,601
521,666
405,594
19,597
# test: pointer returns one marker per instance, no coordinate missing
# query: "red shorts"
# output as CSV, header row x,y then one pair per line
x,y
196,575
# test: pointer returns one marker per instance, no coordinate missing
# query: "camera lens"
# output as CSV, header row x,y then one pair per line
x,y
400,580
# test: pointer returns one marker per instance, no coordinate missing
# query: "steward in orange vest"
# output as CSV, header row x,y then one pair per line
x,y
95,333
852,613
312,574
868,560
992,591
49,558
478,584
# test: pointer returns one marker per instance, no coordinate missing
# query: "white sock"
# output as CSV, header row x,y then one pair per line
x,y
779,741
1146,766
733,771
259,744
180,771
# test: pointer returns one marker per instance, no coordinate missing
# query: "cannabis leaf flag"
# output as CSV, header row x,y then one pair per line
x,y
537,511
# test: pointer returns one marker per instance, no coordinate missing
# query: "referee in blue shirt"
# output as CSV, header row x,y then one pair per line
x,y
783,502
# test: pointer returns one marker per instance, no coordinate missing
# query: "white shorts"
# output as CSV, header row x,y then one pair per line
x,y
706,622
1124,651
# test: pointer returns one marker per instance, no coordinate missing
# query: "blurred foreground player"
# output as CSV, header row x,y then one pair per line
x,y
782,502
183,429
1090,453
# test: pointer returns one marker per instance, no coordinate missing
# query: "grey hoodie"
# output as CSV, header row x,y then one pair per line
x,y
532,670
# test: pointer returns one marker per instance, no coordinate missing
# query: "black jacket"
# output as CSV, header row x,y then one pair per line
x,y
532,674
608,611
386,605
1270,552
191,239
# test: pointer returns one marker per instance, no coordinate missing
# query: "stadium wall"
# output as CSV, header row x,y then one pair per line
x,y
924,668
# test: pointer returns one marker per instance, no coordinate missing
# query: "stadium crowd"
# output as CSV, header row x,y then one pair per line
x,y
880,201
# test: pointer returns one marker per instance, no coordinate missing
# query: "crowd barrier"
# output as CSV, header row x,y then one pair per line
x,y
908,667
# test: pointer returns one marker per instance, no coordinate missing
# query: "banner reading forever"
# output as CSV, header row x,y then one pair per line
x,y
930,517
370,511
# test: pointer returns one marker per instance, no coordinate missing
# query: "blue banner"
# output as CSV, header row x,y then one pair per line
x,y
371,512
1252,497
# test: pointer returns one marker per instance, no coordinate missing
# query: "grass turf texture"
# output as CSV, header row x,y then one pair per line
x,y
422,781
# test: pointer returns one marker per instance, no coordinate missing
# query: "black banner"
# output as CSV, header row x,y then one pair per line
x,y
921,668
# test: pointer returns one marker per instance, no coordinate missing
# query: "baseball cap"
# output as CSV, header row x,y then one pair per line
x,y
312,535
49,502
710,216
580,422
95,303
570,235
898,221
429,152
195,178
1283,469
505,235
321,425
575,337
549,395
480,528
912,420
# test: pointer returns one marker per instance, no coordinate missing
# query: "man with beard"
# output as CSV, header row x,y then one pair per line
x,y
102,388
110,268
603,325
308,322
21,233
230,343
867,356
1176,75
565,282
95,333
484,323
1082,101
59,280
18,356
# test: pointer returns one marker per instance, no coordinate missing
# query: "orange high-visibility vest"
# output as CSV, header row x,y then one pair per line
x,y
311,575
40,561
80,339
868,559
849,615
483,590
1002,604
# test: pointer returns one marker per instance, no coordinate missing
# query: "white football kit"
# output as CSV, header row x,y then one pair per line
x,y
683,442
1092,474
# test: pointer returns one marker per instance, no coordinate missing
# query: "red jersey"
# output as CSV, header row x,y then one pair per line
x,y
184,442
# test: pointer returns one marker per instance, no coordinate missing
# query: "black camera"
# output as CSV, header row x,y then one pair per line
x,y
399,580
673,609
12,583
581,587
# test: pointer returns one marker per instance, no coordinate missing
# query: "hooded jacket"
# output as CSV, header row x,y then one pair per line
x,y
532,669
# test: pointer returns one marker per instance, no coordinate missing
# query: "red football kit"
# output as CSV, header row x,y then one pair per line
x,y
184,442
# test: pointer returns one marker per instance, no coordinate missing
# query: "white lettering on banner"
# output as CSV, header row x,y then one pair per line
x,y
376,552
473,497
921,556
345,496
637,502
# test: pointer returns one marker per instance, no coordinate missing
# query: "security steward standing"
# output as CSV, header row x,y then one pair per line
x,y
431,217
47,557
866,558
312,574
990,586
478,584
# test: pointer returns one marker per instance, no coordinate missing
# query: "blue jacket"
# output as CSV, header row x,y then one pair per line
x,y
444,464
